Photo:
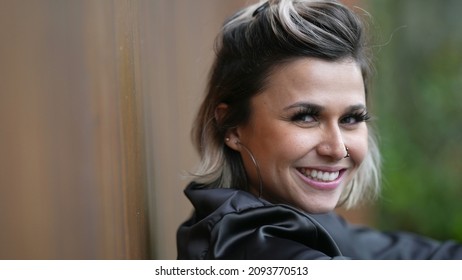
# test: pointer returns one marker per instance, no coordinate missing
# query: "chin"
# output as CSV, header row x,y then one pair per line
x,y
321,208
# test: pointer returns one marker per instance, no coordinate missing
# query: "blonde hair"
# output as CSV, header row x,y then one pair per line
x,y
250,45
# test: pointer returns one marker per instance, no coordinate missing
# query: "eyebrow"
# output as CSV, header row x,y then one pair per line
x,y
321,108
304,105
357,107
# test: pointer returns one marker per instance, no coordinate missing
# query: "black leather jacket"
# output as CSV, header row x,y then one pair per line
x,y
234,224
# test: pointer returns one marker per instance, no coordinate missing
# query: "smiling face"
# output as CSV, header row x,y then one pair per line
x,y
298,131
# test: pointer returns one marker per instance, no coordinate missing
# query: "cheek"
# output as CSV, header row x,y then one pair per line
x,y
292,144
278,148
301,144
359,148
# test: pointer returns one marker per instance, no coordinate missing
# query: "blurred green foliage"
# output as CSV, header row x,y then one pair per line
x,y
417,99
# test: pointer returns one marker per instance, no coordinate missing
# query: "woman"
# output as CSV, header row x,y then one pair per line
x,y
284,140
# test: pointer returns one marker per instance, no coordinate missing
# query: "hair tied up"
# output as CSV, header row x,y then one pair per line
x,y
261,8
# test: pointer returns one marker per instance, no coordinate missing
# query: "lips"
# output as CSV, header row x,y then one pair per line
x,y
322,179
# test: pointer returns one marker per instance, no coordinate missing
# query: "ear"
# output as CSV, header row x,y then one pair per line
x,y
231,136
220,112
232,139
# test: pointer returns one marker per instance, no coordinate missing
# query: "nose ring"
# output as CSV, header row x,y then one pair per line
x,y
347,152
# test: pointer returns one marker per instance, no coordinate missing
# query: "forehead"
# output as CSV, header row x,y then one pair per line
x,y
315,80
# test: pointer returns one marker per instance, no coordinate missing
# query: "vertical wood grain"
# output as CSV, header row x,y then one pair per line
x,y
72,168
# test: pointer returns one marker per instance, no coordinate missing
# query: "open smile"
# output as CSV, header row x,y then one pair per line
x,y
319,175
321,179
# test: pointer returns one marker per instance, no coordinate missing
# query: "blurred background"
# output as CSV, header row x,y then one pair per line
x,y
418,102
97,100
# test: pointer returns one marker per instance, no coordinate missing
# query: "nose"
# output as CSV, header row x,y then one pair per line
x,y
332,144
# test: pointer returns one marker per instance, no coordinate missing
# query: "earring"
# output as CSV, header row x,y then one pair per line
x,y
257,167
347,152
227,139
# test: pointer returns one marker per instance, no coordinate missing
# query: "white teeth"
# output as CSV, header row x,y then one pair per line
x,y
313,174
320,175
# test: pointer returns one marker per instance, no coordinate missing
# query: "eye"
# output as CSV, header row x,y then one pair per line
x,y
355,118
305,116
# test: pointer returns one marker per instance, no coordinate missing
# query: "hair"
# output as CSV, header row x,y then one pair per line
x,y
251,44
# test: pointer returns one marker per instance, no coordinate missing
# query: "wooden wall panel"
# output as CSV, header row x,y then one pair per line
x,y
72,168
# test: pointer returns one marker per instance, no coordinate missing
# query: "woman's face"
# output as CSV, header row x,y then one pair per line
x,y
300,126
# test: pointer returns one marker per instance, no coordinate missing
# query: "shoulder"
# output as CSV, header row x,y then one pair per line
x,y
270,232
